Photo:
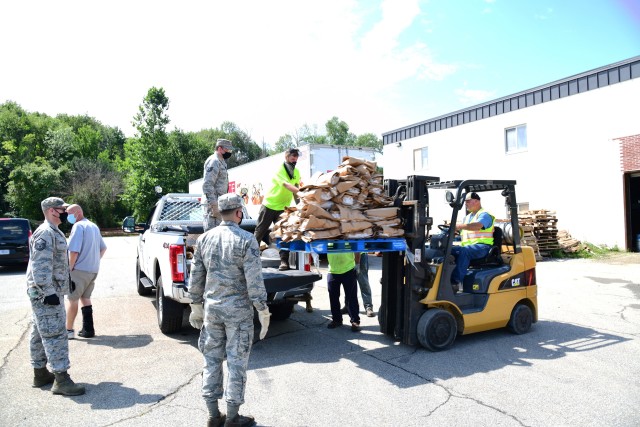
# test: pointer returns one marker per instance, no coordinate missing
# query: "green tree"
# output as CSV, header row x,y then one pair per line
x,y
31,183
60,146
149,159
284,143
95,186
190,153
338,132
369,140
22,137
244,148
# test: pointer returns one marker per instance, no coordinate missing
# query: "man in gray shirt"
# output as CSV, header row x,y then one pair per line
x,y
86,247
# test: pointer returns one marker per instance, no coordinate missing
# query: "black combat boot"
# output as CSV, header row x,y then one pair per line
x,y
64,385
240,421
216,418
42,377
234,419
87,323
284,261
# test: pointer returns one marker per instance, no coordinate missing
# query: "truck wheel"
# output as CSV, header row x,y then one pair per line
x,y
521,319
281,311
436,329
169,311
141,289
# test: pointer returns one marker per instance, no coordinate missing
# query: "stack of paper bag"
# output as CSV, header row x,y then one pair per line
x,y
348,203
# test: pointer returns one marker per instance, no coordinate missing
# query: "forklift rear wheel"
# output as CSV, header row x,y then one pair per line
x,y
382,315
521,319
437,329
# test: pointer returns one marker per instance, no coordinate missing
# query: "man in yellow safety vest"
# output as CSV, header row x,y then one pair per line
x,y
477,237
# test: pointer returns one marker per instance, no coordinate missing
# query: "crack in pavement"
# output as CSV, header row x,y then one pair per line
x,y
450,394
163,401
5,359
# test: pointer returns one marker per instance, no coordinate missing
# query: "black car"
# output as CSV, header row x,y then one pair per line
x,y
14,241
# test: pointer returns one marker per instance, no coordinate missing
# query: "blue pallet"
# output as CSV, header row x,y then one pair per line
x,y
336,246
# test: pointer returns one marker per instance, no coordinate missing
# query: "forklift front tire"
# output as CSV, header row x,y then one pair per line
x,y
437,329
521,319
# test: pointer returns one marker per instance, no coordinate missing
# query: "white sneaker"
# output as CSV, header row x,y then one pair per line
x,y
71,334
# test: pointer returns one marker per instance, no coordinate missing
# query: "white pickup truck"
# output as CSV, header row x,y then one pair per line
x,y
165,250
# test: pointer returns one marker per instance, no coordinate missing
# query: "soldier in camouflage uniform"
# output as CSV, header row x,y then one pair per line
x,y
47,283
226,274
215,182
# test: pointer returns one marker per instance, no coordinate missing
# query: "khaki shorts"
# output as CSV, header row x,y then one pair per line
x,y
84,281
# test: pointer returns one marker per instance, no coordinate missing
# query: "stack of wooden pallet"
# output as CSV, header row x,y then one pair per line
x,y
544,229
529,239
569,244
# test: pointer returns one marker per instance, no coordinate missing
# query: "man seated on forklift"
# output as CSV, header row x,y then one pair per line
x,y
477,238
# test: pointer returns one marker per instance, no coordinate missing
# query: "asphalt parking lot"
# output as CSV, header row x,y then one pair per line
x,y
579,366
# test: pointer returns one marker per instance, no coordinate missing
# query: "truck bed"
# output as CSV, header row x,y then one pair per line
x,y
280,281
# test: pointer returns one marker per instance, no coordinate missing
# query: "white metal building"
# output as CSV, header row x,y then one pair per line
x,y
573,146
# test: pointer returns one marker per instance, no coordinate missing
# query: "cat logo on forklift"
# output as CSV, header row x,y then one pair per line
x,y
526,278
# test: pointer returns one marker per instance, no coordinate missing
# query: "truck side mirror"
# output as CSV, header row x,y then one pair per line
x,y
129,224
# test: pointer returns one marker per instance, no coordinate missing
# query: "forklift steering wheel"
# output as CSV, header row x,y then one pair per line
x,y
447,229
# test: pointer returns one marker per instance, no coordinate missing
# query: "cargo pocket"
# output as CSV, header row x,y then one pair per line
x,y
51,324
202,338
245,339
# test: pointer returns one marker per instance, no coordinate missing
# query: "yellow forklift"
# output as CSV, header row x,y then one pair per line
x,y
419,303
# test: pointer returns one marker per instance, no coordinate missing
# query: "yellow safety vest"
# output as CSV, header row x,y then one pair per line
x,y
484,236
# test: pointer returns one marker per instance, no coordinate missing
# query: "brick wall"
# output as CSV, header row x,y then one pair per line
x,y
630,153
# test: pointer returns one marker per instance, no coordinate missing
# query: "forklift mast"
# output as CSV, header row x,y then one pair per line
x,y
405,284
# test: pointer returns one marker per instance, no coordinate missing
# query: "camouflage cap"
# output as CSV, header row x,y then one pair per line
x,y
229,201
53,202
224,143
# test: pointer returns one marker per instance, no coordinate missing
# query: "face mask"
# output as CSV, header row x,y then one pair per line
x,y
63,217
71,218
241,218
293,164
226,155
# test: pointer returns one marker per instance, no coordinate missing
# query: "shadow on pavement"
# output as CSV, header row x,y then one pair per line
x,y
119,341
469,355
118,396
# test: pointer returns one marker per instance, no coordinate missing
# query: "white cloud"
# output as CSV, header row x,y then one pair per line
x,y
267,66
547,14
468,97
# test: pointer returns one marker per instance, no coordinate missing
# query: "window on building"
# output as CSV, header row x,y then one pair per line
x,y
420,158
516,139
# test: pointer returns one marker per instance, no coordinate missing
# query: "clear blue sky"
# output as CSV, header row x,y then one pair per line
x,y
274,66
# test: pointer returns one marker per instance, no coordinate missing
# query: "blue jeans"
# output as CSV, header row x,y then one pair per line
x,y
363,281
464,255
348,281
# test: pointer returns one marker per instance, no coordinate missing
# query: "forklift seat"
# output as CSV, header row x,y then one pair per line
x,y
493,258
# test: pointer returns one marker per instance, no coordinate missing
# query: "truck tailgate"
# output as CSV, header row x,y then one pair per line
x,y
280,281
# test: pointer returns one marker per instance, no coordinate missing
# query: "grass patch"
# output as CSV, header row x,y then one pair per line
x,y
589,250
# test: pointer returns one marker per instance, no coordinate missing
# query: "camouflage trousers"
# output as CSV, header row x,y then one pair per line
x,y
211,218
49,341
233,339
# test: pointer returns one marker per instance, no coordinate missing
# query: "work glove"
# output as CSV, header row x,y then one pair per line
x,y
196,318
265,317
51,300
